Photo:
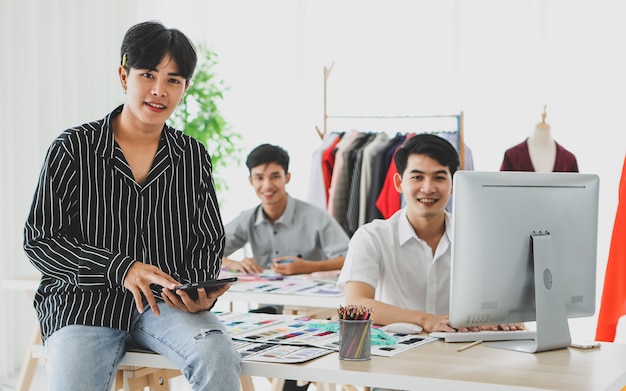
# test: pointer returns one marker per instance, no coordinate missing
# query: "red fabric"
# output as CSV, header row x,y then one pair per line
x,y
613,303
328,162
389,201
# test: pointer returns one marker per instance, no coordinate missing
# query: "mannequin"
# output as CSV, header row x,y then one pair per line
x,y
539,153
541,146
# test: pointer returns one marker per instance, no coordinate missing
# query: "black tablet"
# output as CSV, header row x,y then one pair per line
x,y
210,285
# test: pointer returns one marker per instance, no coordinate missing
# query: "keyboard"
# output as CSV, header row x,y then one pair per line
x,y
485,335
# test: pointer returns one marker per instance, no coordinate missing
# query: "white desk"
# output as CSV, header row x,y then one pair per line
x,y
438,366
284,299
31,285
29,364
298,294
21,284
294,304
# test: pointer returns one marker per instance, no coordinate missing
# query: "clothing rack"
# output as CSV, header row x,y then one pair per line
x,y
459,117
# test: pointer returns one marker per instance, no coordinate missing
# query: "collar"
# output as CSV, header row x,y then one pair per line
x,y
286,218
104,141
406,232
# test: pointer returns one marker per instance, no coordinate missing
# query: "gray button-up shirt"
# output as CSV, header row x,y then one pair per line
x,y
303,230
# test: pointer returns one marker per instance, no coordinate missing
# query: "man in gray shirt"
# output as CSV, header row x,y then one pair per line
x,y
286,235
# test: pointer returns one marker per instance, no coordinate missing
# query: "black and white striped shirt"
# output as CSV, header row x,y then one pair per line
x,y
90,221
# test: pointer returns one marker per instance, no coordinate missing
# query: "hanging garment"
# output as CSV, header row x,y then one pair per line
x,y
613,303
317,192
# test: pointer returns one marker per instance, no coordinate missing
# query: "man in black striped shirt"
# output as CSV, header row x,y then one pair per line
x,y
124,206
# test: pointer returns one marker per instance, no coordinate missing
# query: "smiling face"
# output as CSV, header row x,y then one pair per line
x,y
426,186
153,94
268,181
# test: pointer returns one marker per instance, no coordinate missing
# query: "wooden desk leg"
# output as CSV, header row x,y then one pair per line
x,y
137,378
119,381
130,383
159,381
278,384
246,383
29,364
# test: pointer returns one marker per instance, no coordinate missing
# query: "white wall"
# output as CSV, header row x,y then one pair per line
x,y
500,62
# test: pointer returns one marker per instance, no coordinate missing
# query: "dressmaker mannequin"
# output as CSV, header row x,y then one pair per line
x,y
541,147
539,153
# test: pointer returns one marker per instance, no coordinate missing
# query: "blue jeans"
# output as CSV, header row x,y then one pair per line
x,y
86,358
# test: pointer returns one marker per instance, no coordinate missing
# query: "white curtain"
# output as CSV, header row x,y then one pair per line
x,y
59,62
498,61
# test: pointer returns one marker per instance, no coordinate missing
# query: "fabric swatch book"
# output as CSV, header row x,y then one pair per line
x,y
289,354
266,333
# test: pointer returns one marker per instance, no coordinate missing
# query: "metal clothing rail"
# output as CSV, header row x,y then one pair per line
x,y
459,117
393,116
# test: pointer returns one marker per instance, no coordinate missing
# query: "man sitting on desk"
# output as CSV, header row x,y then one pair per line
x,y
400,267
287,235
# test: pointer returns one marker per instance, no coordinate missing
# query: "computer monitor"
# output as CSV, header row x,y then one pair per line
x,y
524,249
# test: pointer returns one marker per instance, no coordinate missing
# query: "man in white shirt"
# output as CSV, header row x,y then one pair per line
x,y
400,267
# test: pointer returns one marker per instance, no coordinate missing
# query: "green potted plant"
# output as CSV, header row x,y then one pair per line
x,y
199,116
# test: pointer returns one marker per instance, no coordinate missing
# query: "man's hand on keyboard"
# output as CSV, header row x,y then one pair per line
x,y
437,323
496,327
441,323
504,327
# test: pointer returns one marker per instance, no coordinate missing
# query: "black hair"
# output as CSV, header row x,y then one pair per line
x,y
145,44
431,145
267,153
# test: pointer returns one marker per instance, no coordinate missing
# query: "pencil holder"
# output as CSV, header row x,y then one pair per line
x,y
355,339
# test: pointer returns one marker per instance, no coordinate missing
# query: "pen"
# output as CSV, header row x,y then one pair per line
x,y
289,260
469,345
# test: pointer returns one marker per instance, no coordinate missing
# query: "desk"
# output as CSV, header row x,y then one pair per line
x,y
294,304
302,295
29,364
297,301
311,306
281,299
438,366
29,284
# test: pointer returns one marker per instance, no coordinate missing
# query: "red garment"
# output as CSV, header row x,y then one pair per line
x,y
517,158
613,303
328,162
389,200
